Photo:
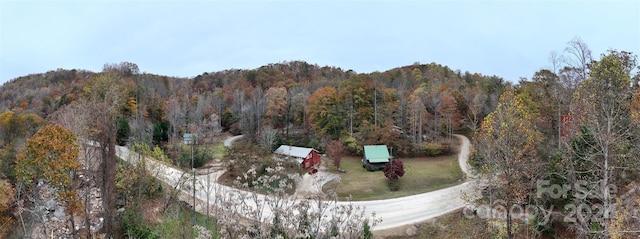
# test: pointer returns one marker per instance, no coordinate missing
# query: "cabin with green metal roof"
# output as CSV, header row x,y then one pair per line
x,y
375,157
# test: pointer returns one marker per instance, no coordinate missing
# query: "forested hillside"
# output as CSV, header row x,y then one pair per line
x,y
413,109
404,107
576,123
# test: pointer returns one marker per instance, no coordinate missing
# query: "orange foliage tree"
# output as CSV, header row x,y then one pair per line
x,y
6,202
325,113
51,155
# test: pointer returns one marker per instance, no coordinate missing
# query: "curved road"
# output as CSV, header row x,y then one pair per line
x,y
228,141
393,212
420,207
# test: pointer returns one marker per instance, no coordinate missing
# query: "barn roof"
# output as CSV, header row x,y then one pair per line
x,y
376,153
293,151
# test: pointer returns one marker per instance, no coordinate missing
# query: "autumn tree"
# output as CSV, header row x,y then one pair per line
x,y
9,126
209,128
51,155
394,170
298,97
601,140
334,152
228,120
417,117
429,97
625,221
250,107
6,202
325,113
15,128
205,120
124,68
476,110
105,98
507,145
387,134
449,112
365,101
553,100
177,109
276,98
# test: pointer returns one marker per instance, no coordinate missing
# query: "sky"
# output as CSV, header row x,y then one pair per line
x,y
510,39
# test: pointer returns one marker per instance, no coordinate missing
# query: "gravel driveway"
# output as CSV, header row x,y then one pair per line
x,y
393,212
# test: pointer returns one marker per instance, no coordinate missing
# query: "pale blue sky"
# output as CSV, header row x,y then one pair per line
x,y
510,39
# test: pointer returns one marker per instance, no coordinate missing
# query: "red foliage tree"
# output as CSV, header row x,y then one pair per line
x,y
334,152
394,169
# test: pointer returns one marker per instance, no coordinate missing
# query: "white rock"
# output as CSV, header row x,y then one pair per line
x,y
59,212
411,231
51,205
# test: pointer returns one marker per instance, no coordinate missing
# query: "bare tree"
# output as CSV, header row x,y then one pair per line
x,y
75,118
177,110
252,114
268,138
577,62
476,110
334,152
579,59
105,98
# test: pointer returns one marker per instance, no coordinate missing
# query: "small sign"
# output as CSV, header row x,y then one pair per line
x,y
189,138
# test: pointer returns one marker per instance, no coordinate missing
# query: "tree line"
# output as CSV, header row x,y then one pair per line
x,y
564,144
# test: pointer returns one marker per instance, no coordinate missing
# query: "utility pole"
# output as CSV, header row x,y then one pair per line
x,y
193,169
208,192
375,105
191,139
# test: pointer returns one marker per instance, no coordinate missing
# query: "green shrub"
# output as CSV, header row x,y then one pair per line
x,y
134,226
199,158
431,149
436,149
122,131
351,146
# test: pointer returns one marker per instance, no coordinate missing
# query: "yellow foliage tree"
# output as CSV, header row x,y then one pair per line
x,y
507,144
324,112
51,155
276,105
6,202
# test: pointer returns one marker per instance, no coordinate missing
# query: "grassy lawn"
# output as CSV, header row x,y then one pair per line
x,y
213,150
421,175
217,150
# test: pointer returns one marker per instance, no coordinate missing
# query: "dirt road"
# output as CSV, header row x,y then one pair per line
x,y
393,212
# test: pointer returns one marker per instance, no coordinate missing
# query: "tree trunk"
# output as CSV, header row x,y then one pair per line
x,y
73,225
108,180
509,229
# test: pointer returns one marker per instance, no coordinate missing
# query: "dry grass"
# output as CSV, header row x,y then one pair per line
x,y
421,175
452,225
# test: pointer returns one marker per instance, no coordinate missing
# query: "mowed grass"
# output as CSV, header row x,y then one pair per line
x,y
217,150
421,175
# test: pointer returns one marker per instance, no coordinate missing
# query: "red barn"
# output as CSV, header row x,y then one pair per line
x,y
306,157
